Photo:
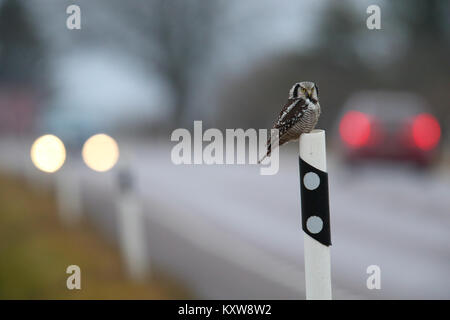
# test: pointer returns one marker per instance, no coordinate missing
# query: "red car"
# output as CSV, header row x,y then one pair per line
x,y
388,125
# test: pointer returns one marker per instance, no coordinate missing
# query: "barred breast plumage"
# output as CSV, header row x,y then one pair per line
x,y
305,124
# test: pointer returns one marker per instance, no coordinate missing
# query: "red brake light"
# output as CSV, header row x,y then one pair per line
x,y
426,131
354,129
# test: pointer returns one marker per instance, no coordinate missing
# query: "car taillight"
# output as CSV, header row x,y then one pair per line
x,y
354,129
426,131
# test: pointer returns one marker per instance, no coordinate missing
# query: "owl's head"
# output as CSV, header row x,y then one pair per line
x,y
305,90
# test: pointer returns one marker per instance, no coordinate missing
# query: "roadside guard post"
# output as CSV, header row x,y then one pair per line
x,y
315,215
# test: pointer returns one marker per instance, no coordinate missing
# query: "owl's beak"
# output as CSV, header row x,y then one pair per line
x,y
310,93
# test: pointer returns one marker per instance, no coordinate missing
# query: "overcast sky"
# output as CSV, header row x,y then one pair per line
x,y
97,81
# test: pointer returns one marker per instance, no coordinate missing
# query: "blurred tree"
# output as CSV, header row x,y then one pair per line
x,y
21,68
176,40
422,25
427,20
20,48
338,32
409,53
345,60
424,66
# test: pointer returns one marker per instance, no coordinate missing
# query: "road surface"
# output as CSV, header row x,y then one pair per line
x,y
229,233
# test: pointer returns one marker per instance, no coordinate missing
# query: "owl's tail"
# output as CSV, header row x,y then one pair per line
x,y
270,147
272,144
269,151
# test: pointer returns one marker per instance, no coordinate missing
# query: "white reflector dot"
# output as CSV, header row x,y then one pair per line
x,y
311,181
314,224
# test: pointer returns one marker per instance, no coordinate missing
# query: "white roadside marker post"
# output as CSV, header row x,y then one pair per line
x,y
131,228
315,215
69,195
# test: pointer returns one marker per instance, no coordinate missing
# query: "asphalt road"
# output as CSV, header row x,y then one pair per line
x,y
228,232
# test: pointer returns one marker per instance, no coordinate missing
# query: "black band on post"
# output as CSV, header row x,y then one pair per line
x,y
315,202
125,180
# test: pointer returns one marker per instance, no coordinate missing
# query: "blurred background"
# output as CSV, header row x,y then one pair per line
x,y
145,228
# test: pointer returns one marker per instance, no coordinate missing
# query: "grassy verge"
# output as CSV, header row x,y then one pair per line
x,y
35,251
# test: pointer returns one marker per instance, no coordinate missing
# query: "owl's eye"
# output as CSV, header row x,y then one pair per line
x,y
303,90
